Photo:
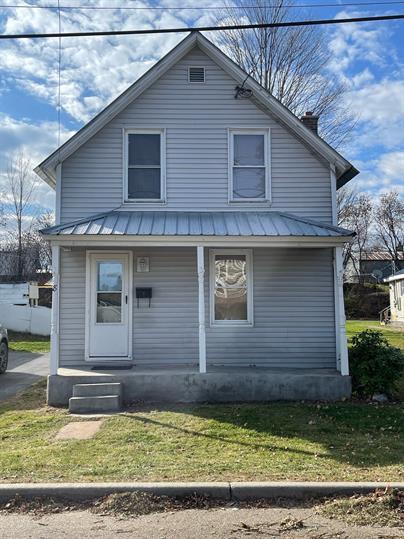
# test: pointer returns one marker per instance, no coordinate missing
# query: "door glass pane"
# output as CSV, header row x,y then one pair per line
x,y
144,149
144,183
230,271
249,150
249,182
109,307
109,276
230,304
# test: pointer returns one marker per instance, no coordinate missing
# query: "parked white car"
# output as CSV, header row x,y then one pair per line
x,y
3,349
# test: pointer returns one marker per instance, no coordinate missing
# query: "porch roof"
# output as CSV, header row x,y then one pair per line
x,y
182,223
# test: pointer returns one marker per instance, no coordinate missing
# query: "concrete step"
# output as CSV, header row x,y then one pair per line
x,y
95,405
97,390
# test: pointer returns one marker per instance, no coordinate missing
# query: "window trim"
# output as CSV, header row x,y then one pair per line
x,y
199,81
250,300
266,131
144,131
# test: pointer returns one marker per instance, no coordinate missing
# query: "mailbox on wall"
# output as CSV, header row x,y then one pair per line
x,y
143,294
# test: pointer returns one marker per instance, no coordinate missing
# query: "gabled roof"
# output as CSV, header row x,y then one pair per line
x,y
182,223
344,170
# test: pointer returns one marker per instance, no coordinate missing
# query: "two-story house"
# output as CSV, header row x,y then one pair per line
x,y
196,255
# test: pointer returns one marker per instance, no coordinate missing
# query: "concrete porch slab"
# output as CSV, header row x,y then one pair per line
x,y
220,385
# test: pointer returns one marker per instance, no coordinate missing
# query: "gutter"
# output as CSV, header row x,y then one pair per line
x,y
347,176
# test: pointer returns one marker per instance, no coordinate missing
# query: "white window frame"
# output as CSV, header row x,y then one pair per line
x,y
189,75
145,131
267,162
250,301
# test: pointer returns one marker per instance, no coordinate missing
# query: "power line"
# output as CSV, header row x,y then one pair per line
x,y
206,28
196,8
59,105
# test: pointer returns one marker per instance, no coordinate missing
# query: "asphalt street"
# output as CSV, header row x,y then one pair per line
x,y
220,523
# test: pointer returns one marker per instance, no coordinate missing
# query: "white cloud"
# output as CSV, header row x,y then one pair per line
x,y
380,111
35,141
94,70
392,165
352,42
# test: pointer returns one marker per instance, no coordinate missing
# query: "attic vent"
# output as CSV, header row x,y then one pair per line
x,y
196,74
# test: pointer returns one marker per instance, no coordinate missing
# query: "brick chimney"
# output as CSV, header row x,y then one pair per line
x,y
310,121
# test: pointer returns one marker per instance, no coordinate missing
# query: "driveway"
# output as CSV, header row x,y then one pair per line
x,y
24,369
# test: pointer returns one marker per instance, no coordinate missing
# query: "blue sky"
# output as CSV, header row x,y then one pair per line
x,y
367,57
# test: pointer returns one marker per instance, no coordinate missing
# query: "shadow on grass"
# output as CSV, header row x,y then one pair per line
x,y
253,445
32,398
358,434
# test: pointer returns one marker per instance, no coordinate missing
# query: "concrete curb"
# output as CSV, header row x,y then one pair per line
x,y
223,491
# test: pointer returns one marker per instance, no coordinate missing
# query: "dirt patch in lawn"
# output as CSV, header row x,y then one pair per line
x,y
79,430
381,508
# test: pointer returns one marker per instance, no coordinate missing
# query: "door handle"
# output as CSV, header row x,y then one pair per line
x,y
126,299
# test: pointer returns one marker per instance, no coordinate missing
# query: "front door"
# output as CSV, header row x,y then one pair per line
x,y
108,331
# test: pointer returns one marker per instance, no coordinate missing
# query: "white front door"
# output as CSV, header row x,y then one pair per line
x,y
108,309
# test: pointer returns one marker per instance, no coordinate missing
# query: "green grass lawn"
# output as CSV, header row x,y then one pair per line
x,y
347,441
25,342
394,335
277,441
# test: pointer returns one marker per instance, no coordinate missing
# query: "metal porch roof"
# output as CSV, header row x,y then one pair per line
x,y
178,223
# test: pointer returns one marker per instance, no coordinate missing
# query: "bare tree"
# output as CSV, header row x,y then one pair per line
x,y
356,214
21,185
346,199
389,224
35,238
291,63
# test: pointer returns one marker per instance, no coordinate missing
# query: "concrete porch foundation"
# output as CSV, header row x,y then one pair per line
x,y
217,385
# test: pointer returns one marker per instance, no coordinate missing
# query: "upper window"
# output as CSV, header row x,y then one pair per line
x,y
231,287
249,165
144,166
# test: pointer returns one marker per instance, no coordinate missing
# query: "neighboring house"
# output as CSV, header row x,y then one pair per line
x,y
394,314
377,265
196,242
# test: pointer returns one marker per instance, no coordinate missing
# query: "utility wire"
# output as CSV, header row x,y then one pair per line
x,y
196,8
59,104
206,28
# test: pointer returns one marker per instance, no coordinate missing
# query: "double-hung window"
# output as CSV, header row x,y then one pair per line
x,y
249,165
145,165
231,287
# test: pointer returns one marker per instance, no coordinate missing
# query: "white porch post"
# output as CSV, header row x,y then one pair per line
x,y
341,340
54,354
201,310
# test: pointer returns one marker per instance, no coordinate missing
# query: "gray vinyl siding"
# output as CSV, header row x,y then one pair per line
x,y
293,314
72,306
293,311
196,118
167,332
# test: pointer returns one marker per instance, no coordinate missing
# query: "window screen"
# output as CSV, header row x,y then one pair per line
x,y
249,166
144,166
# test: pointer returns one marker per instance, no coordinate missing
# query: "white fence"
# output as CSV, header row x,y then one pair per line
x,y
35,320
14,293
